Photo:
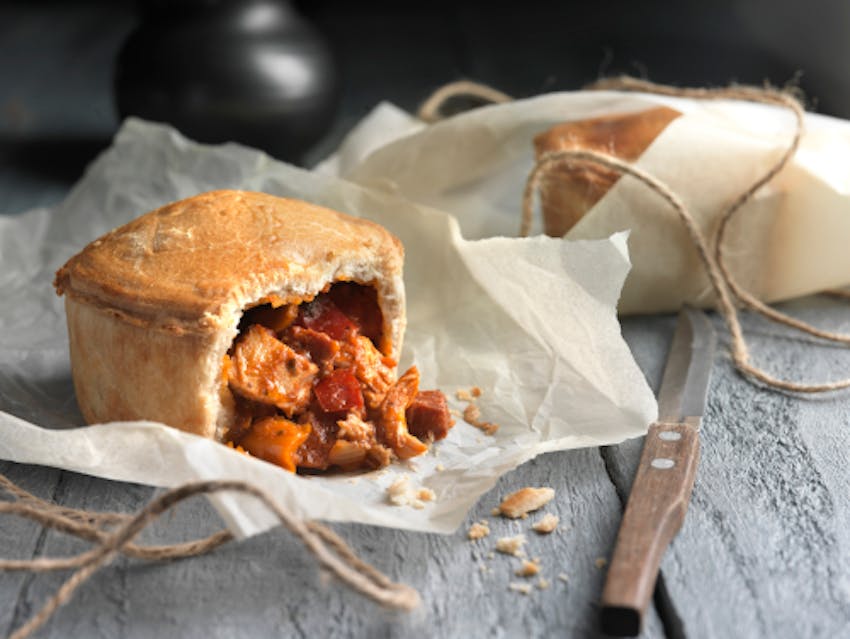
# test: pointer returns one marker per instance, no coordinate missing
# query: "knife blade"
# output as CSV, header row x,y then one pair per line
x,y
664,479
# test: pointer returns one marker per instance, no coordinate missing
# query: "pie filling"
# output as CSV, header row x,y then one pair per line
x,y
312,388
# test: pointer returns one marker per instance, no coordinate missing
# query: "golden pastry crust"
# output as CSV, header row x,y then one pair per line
x,y
153,306
568,194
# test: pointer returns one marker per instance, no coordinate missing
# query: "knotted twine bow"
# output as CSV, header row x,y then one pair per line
x,y
113,533
726,287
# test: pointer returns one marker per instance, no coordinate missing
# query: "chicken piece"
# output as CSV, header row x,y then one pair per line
x,y
321,348
267,371
372,371
391,422
354,429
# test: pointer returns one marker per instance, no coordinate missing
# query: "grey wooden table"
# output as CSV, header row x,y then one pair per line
x,y
764,552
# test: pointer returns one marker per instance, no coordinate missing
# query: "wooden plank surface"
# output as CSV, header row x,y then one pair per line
x,y
268,585
766,544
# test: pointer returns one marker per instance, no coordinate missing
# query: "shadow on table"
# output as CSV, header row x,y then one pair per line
x,y
49,401
56,157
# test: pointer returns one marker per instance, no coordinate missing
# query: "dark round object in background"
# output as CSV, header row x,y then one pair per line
x,y
251,71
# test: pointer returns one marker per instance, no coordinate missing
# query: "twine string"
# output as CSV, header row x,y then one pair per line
x,y
767,95
431,109
331,552
721,279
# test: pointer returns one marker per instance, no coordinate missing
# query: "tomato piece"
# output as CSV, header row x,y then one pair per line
x,y
324,316
360,303
276,440
339,391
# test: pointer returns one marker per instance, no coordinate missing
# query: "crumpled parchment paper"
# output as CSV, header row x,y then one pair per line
x,y
530,321
790,240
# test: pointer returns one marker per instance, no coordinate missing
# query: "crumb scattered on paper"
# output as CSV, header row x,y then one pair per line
x,y
495,512
439,468
544,583
546,524
472,416
402,493
511,545
528,569
524,501
468,395
563,577
521,588
398,492
600,562
478,530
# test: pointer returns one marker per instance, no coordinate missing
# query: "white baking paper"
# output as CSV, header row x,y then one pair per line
x,y
790,240
531,322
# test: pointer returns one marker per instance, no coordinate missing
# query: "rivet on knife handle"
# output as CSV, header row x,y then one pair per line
x,y
654,513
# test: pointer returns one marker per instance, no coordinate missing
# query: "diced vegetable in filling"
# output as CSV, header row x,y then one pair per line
x,y
313,390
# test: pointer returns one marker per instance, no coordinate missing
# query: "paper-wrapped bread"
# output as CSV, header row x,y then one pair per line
x,y
567,194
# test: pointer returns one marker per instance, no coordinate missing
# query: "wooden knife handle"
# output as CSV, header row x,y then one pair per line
x,y
654,513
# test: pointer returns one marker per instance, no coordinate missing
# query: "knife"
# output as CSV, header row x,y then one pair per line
x,y
664,478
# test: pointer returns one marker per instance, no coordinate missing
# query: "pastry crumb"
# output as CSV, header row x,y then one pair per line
x,y
600,562
401,493
521,588
478,530
546,524
525,500
511,545
495,512
528,569
464,395
491,555
563,577
468,394
544,583
439,468
472,416
398,492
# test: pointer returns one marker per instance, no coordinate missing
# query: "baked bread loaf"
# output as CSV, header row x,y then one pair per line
x,y
256,320
566,195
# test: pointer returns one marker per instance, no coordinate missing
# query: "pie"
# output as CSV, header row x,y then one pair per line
x,y
269,324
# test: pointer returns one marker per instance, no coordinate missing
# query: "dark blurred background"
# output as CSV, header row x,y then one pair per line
x,y
59,63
